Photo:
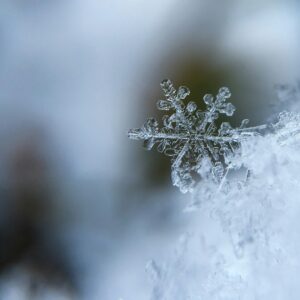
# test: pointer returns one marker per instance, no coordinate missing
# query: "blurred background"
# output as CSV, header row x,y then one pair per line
x,y
82,208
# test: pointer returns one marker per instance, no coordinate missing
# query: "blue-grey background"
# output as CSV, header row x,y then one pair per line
x,y
82,208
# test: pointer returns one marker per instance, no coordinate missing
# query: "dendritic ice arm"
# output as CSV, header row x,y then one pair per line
x,y
191,137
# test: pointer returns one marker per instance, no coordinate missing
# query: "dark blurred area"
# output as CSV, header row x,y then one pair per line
x,y
82,208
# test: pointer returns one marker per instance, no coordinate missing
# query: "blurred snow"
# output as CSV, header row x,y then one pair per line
x,y
267,39
73,66
79,72
242,242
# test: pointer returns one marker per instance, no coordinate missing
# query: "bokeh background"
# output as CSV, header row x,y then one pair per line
x,y
82,208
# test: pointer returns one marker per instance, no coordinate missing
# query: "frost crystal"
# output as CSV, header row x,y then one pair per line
x,y
191,136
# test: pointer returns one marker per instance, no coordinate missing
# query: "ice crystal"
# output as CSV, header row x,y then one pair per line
x,y
192,137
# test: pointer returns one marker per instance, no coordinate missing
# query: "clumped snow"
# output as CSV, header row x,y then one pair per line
x,y
244,242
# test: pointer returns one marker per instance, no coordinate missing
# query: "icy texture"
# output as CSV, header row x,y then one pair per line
x,y
244,243
192,138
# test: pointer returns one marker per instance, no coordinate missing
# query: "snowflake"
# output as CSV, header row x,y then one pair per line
x,y
191,136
